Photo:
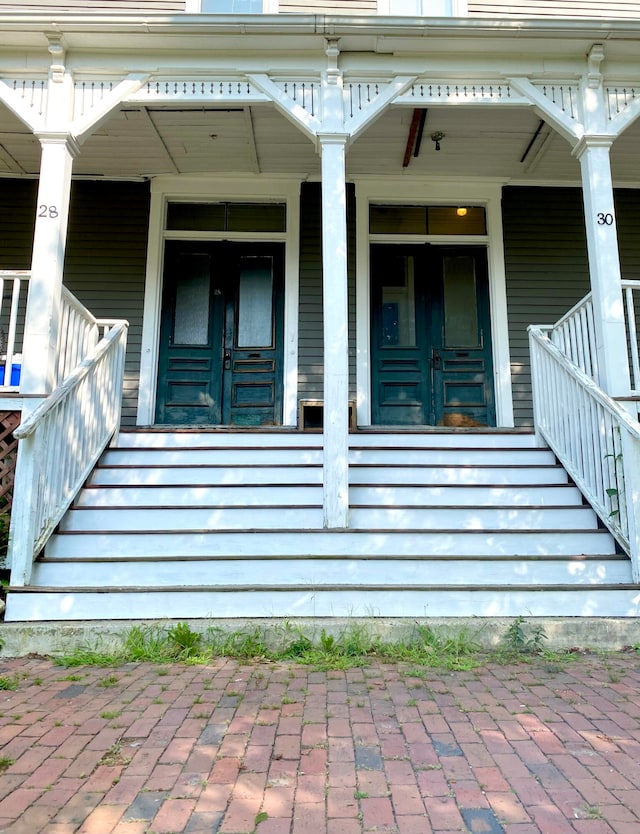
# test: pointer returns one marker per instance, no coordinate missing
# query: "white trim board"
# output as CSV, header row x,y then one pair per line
x,y
401,191
258,189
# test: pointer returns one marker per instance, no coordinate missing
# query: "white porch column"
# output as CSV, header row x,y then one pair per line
x,y
45,286
40,336
336,332
604,264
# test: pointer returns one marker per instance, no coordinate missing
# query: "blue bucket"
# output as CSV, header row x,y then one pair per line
x,y
15,374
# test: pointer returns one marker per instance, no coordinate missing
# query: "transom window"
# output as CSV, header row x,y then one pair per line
x,y
226,217
423,8
427,220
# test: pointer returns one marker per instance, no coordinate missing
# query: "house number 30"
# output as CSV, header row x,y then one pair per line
x,y
47,211
605,219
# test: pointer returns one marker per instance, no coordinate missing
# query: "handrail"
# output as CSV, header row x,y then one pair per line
x,y
71,382
628,288
575,336
78,333
595,439
60,443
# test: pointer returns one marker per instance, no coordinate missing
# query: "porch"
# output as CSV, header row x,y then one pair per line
x,y
264,265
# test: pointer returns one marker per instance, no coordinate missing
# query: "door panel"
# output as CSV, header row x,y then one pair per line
x,y
431,344
221,335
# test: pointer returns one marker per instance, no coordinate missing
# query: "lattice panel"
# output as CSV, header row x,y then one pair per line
x,y
9,421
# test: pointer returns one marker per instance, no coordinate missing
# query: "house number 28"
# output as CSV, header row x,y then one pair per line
x,y
604,219
47,211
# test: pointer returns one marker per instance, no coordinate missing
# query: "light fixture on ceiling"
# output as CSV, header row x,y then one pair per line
x,y
461,211
437,137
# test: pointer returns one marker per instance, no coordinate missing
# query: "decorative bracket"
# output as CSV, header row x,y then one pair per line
x,y
102,109
288,106
544,99
58,57
594,59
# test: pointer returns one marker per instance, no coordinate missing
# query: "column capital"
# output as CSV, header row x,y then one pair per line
x,y
53,137
333,138
590,142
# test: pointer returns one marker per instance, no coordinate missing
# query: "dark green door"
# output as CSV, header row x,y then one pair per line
x,y
430,336
221,335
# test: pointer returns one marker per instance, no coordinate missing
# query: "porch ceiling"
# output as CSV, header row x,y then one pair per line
x,y
478,142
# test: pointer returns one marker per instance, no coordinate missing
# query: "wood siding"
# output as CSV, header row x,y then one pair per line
x,y
310,340
105,258
106,261
547,271
100,6
564,8
546,266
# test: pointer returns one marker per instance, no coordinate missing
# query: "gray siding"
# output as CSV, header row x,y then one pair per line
x,y
106,261
564,8
547,271
105,258
310,340
547,268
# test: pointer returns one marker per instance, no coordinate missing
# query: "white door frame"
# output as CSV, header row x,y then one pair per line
x,y
219,189
430,192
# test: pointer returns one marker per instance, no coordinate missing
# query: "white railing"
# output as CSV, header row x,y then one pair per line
x,y
595,439
60,443
15,283
631,292
575,336
78,334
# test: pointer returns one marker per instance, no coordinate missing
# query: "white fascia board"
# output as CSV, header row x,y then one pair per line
x,y
26,28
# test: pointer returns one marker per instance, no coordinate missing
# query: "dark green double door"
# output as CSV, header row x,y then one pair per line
x,y
221,336
430,336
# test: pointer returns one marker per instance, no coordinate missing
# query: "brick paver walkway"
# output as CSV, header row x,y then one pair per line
x,y
282,749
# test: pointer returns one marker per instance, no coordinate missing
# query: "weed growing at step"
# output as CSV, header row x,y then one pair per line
x,y
518,639
357,644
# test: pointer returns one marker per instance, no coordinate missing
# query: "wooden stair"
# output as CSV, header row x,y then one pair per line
x,y
229,524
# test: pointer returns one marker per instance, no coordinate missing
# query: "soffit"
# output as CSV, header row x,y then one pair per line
x,y
478,142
